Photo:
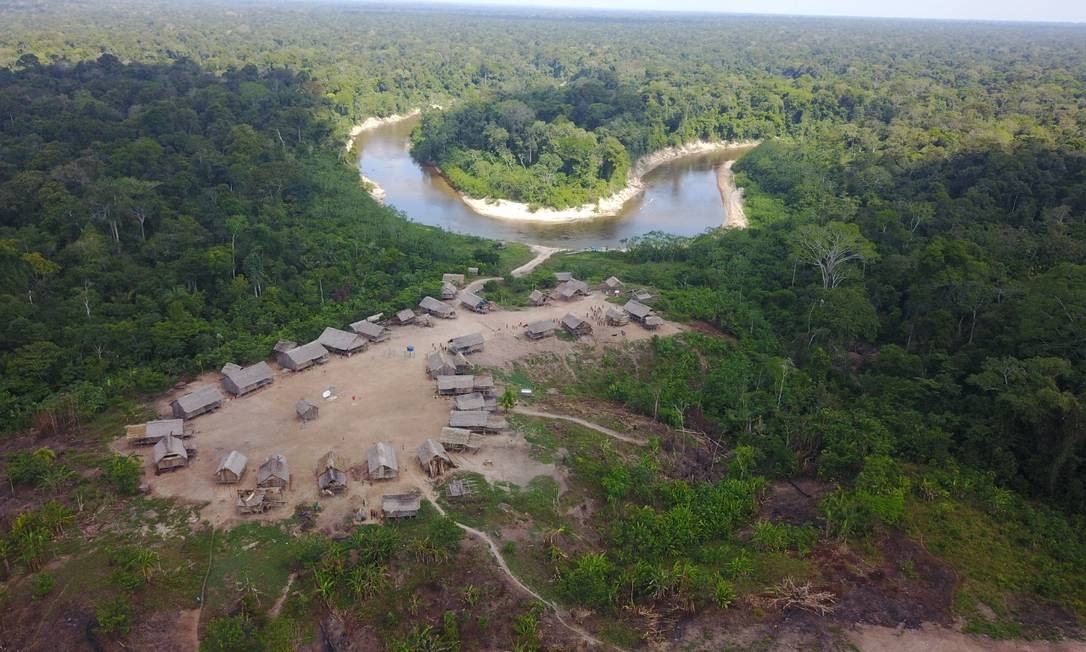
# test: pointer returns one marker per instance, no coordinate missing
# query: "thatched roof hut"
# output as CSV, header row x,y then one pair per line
x,y
274,472
342,342
433,458
405,505
195,403
617,317
405,316
637,310
302,357
575,325
371,331
538,298
572,289
306,410
231,468
470,343
455,439
437,308
475,302
454,385
170,453
331,479
381,461
538,330
239,381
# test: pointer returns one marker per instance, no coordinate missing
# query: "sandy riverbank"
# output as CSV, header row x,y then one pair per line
x,y
732,196
374,122
635,185
374,188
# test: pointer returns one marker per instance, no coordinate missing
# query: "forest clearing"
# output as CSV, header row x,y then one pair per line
x,y
381,394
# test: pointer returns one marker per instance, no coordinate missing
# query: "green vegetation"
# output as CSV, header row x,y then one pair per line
x,y
903,325
166,225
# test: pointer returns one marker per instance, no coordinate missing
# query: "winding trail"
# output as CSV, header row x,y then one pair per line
x,y
496,552
614,434
541,254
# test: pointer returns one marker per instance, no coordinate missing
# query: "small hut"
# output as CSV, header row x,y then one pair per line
x,y
475,303
432,306
470,343
455,279
572,289
302,357
652,322
562,277
274,472
331,478
612,285
455,385
477,421
231,468
306,410
381,460
342,342
575,325
371,331
637,310
240,381
538,330
404,505
616,317
461,365
433,459
644,296
170,454
448,291
484,384
538,298
438,365
146,434
460,439
470,402
201,401
404,317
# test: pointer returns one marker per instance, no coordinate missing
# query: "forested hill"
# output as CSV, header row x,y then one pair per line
x,y
159,220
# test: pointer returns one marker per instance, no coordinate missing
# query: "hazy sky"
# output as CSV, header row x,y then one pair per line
x,y
1035,10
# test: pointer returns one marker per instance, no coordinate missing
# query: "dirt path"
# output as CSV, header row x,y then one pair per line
x,y
278,606
541,254
935,638
475,286
496,553
581,422
734,217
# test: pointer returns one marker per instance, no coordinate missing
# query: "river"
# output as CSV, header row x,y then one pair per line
x,y
681,197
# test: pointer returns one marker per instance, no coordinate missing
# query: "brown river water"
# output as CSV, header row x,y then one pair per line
x,y
681,197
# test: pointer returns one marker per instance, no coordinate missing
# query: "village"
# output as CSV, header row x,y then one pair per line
x,y
364,423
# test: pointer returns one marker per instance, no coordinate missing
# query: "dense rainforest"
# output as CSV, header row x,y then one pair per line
x,y
904,320
159,220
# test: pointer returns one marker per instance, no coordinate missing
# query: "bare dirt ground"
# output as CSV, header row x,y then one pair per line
x,y
383,395
933,638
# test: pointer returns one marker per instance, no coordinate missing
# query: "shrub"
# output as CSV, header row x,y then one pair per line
x,y
122,472
778,537
723,593
42,585
115,616
228,634
591,581
29,468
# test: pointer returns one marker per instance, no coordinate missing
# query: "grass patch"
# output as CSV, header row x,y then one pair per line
x,y
252,559
1011,565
